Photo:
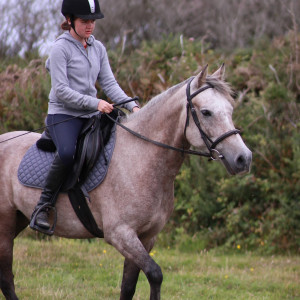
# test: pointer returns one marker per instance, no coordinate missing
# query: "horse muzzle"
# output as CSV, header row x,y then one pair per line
x,y
239,163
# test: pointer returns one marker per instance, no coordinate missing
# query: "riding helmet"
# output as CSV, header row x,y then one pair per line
x,y
83,9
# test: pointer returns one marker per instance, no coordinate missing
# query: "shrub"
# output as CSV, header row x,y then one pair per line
x,y
259,210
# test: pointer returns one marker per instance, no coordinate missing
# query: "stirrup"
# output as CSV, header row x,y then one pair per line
x,y
34,226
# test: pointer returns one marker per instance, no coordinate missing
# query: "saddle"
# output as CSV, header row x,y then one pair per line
x,y
92,140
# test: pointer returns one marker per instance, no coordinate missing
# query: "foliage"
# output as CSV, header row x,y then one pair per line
x,y
260,210
23,94
224,24
26,25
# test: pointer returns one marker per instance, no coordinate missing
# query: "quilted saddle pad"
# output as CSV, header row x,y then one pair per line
x,y
36,163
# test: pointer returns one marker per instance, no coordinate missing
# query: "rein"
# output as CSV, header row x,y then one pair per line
x,y
84,114
213,154
142,137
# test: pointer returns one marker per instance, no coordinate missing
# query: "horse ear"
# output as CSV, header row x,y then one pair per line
x,y
201,77
220,73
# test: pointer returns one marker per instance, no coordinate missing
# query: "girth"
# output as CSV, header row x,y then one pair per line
x,y
92,139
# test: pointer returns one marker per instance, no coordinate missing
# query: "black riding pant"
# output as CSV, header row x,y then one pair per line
x,y
65,134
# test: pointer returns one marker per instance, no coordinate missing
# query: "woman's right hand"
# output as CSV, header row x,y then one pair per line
x,y
105,107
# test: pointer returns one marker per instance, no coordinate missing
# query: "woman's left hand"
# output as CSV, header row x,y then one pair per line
x,y
135,109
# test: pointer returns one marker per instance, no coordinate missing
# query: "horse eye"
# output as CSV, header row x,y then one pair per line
x,y
206,113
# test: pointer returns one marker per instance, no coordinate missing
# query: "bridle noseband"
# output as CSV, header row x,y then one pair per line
x,y
213,154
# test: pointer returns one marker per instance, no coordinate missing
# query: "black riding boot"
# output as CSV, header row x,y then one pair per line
x,y
55,179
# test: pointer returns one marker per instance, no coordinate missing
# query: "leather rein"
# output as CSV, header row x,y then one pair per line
x,y
212,154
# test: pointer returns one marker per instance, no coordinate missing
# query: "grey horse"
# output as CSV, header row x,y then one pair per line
x,y
136,199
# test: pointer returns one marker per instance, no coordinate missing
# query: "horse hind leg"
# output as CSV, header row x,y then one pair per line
x,y
6,276
21,222
10,226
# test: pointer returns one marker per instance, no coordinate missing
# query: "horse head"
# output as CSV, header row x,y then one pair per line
x,y
210,105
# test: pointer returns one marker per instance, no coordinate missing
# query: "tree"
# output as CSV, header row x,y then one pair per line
x,y
26,25
223,23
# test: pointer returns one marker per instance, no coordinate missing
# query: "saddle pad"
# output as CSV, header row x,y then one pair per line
x,y
35,166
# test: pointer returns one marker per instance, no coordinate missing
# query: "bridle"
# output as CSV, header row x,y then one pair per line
x,y
213,153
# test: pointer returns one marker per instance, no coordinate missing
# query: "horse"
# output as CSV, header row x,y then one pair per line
x,y
136,198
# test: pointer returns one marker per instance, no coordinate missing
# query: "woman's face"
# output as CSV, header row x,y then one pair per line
x,y
84,28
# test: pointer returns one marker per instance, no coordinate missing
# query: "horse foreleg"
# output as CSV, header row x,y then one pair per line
x,y
130,277
131,274
136,257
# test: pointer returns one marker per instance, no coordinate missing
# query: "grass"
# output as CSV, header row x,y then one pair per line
x,y
82,269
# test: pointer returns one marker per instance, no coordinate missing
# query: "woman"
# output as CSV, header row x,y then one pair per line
x,y
76,62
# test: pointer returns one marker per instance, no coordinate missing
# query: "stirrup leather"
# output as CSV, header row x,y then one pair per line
x,y
33,224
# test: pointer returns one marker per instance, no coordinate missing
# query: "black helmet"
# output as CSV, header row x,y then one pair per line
x,y
83,9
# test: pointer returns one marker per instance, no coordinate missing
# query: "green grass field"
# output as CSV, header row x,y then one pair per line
x,y
79,269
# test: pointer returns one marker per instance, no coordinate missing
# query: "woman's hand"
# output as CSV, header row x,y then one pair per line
x,y
105,107
135,109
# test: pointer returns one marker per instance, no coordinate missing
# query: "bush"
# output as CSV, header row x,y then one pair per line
x,y
259,210
24,96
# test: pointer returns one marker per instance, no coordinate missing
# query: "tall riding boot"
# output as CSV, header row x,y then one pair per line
x,y
54,181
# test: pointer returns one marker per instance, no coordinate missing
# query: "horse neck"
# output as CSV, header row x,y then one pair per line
x,y
164,122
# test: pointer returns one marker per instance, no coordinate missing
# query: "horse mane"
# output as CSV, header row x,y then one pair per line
x,y
219,85
157,99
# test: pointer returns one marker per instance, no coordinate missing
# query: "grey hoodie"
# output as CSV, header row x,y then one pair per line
x,y
74,72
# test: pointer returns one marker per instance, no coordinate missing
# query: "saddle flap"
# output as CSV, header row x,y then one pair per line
x,y
35,164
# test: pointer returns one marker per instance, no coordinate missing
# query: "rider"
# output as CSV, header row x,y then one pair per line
x,y
77,60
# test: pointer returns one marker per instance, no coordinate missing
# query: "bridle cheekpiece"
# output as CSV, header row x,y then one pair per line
x,y
213,154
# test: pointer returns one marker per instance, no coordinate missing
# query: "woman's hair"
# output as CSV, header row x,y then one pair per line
x,y
65,25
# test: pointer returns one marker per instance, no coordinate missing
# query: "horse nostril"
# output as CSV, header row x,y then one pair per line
x,y
241,161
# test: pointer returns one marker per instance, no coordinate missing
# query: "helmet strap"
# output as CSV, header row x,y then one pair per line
x,y
72,19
